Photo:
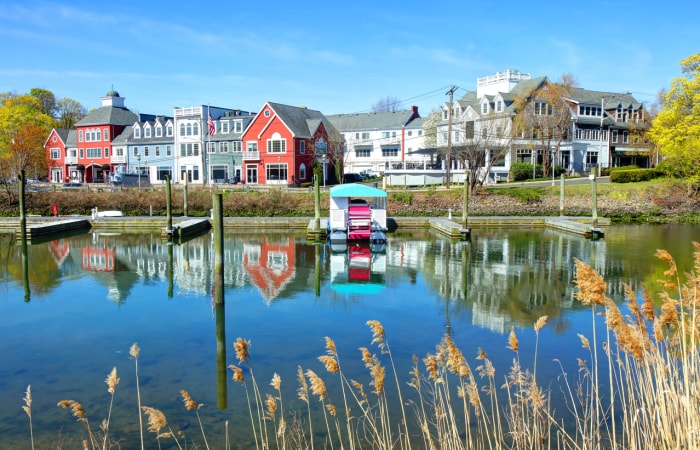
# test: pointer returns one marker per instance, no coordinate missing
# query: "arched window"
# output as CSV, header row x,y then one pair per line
x,y
195,129
182,129
189,129
302,171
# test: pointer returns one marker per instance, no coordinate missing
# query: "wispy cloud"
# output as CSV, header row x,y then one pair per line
x,y
334,57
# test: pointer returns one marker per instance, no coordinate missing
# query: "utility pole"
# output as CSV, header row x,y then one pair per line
x,y
448,158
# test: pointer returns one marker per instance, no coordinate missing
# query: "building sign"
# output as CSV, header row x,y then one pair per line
x,y
321,147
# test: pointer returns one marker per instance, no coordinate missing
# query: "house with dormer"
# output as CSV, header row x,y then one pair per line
x,y
224,147
146,148
282,144
195,138
592,129
377,140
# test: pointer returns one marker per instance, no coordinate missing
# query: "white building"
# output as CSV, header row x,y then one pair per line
x,y
604,129
377,140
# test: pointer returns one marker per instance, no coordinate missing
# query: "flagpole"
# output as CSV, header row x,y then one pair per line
x,y
204,155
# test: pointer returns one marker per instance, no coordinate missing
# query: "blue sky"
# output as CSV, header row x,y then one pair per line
x,y
336,57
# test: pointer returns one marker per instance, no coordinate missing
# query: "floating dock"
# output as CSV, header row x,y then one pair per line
x,y
186,228
45,229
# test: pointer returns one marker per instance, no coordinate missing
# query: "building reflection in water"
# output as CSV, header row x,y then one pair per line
x,y
500,279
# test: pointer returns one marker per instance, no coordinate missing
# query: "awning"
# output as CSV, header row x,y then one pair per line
x,y
356,190
105,166
80,167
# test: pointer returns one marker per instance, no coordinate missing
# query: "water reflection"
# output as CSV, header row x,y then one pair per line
x,y
95,294
503,278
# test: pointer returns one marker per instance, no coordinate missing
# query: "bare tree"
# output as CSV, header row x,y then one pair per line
x,y
543,117
486,142
430,126
387,104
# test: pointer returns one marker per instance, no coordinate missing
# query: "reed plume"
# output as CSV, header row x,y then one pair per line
x,y
112,381
28,409
79,413
191,405
134,352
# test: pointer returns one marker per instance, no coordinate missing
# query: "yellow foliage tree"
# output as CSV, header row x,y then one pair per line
x,y
23,130
676,129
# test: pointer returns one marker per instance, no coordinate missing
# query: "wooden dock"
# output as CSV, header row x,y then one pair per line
x,y
46,229
186,228
321,233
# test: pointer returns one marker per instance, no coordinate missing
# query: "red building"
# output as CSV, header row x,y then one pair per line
x,y
95,133
60,151
282,143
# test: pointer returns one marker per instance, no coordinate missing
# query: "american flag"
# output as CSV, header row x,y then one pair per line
x,y
212,128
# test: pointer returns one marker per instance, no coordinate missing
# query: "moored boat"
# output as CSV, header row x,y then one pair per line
x,y
357,213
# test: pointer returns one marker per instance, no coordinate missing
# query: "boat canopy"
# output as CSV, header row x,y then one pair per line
x,y
356,190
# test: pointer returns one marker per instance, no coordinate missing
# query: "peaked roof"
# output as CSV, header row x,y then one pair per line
x,y
374,120
303,122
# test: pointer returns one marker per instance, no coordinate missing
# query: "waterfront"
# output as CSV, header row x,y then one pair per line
x,y
92,296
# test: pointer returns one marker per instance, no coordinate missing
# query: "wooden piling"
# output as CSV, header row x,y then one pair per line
x,y
168,203
217,203
184,193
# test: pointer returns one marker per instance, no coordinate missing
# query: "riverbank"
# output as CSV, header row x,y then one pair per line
x,y
658,201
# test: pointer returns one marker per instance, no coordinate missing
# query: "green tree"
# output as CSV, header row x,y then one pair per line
x,y
46,98
676,128
68,112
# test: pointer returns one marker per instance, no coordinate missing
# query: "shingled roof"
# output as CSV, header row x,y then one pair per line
x,y
374,120
303,122
109,115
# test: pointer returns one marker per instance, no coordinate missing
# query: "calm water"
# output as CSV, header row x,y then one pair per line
x,y
91,296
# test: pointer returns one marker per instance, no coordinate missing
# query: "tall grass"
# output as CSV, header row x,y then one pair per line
x,y
637,388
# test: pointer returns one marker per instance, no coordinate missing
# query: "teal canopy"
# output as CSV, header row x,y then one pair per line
x,y
357,288
356,190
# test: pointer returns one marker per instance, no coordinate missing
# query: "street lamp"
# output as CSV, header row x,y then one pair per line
x,y
138,160
324,158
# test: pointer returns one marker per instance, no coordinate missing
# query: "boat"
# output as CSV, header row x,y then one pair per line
x,y
357,213
357,269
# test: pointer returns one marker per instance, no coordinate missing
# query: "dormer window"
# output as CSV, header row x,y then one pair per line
x,y
238,126
484,108
499,106
169,131
159,131
224,126
137,132
147,132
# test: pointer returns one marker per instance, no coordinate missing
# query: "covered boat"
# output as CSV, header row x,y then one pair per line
x,y
357,213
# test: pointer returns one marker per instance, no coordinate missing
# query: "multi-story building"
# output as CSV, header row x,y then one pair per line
x,y
377,140
146,147
282,144
95,134
62,153
193,134
225,146
593,128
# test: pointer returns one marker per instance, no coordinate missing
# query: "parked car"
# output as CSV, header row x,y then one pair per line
x,y
352,178
72,184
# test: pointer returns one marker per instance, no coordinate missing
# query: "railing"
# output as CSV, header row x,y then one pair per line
x,y
251,156
71,160
118,159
